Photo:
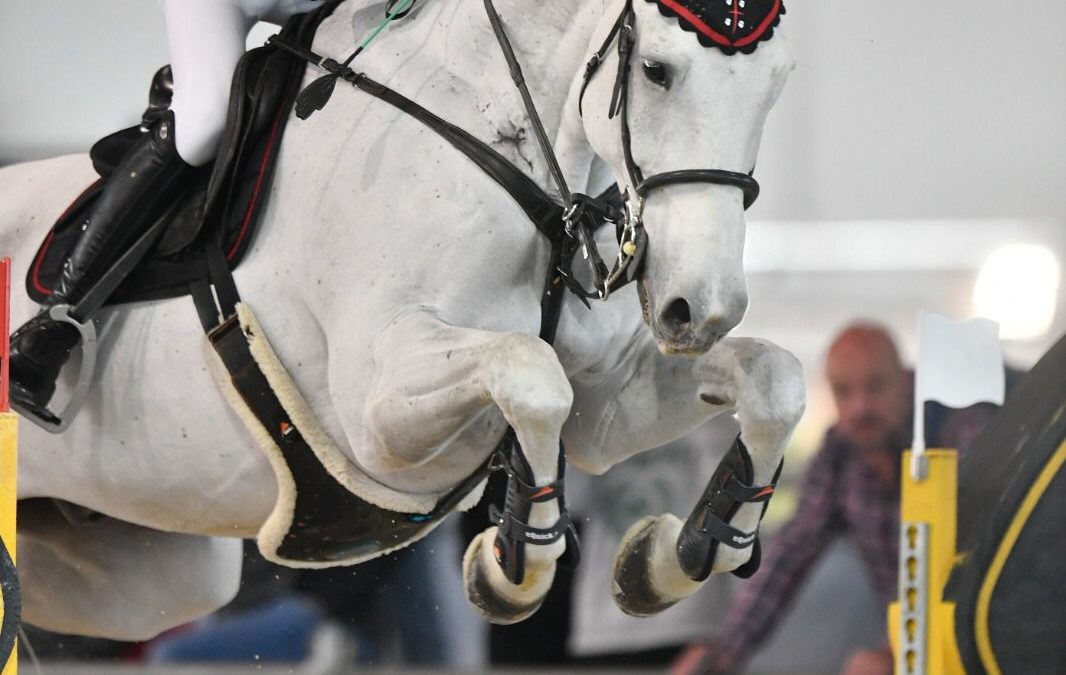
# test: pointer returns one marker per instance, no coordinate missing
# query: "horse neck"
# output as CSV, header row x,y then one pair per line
x,y
446,57
551,42
550,39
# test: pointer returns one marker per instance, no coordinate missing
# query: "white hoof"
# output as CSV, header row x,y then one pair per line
x,y
492,594
647,576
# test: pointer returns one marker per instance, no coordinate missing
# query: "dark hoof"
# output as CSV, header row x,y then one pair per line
x,y
633,590
483,595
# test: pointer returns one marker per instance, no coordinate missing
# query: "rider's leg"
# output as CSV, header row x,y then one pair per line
x,y
206,41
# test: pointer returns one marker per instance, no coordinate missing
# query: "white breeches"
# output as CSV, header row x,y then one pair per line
x,y
207,38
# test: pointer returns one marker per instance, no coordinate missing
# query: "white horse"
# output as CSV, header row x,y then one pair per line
x,y
400,286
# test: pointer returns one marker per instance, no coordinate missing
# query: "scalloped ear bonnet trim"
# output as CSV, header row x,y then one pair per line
x,y
730,25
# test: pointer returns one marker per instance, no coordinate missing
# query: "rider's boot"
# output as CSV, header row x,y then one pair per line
x,y
142,188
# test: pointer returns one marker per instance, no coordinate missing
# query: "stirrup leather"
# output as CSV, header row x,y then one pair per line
x,y
514,532
708,524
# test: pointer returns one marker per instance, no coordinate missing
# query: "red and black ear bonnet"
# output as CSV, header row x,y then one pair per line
x,y
730,25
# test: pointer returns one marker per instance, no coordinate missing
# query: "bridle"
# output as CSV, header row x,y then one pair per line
x,y
581,214
632,239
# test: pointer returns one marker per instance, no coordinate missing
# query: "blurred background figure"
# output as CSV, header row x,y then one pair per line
x,y
851,489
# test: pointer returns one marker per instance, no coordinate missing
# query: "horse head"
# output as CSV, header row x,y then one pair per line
x,y
671,91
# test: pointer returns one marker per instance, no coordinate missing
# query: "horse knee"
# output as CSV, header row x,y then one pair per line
x,y
527,381
772,387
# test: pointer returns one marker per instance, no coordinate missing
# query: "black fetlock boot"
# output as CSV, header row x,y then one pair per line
x,y
708,525
144,185
514,531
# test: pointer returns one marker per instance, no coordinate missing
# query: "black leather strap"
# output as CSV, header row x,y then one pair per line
x,y
726,534
748,493
745,182
623,31
542,210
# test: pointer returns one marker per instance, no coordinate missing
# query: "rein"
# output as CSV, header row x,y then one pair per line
x,y
583,214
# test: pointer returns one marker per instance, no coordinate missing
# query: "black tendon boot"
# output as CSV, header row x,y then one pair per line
x,y
145,184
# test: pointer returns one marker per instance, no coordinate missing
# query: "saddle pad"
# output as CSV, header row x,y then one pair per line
x,y
327,512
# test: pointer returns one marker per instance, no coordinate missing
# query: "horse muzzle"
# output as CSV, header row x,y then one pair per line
x,y
683,326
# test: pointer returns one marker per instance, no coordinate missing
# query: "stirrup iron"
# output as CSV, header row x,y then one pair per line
x,y
89,330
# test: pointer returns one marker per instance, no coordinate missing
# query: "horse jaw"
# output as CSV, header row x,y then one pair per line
x,y
692,290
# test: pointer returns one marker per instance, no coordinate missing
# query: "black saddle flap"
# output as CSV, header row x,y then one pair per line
x,y
224,200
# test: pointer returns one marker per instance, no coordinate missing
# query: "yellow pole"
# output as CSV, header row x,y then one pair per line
x,y
10,602
8,473
921,625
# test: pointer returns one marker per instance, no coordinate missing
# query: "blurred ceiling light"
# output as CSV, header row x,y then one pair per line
x,y
1018,287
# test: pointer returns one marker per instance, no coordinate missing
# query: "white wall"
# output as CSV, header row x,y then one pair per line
x,y
71,72
907,109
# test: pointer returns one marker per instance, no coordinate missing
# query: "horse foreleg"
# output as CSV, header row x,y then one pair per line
x,y
661,560
435,380
111,579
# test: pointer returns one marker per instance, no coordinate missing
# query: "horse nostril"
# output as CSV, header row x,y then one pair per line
x,y
677,315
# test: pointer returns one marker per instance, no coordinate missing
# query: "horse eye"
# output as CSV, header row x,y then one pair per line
x,y
657,72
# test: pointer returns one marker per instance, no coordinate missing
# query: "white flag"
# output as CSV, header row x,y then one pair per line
x,y
959,364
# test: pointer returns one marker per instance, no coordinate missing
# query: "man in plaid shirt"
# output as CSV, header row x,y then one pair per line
x,y
851,488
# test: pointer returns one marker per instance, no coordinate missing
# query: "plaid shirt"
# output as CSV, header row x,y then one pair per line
x,y
840,495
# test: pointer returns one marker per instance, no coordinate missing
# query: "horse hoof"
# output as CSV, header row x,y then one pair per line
x,y
491,594
635,587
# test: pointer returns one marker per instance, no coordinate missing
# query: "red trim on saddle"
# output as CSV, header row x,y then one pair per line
x,y
267,154
37,265
702,27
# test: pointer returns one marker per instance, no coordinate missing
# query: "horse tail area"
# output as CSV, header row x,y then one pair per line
x,y
73,569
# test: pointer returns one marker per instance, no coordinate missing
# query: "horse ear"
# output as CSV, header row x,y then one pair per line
x,y
315,96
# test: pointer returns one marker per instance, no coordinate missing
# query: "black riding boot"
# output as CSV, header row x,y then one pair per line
x,y
143,187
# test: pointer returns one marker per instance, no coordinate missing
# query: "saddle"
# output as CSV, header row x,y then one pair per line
x,y
224,200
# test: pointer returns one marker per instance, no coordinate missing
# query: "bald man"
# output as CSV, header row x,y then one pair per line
x,y
851,488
